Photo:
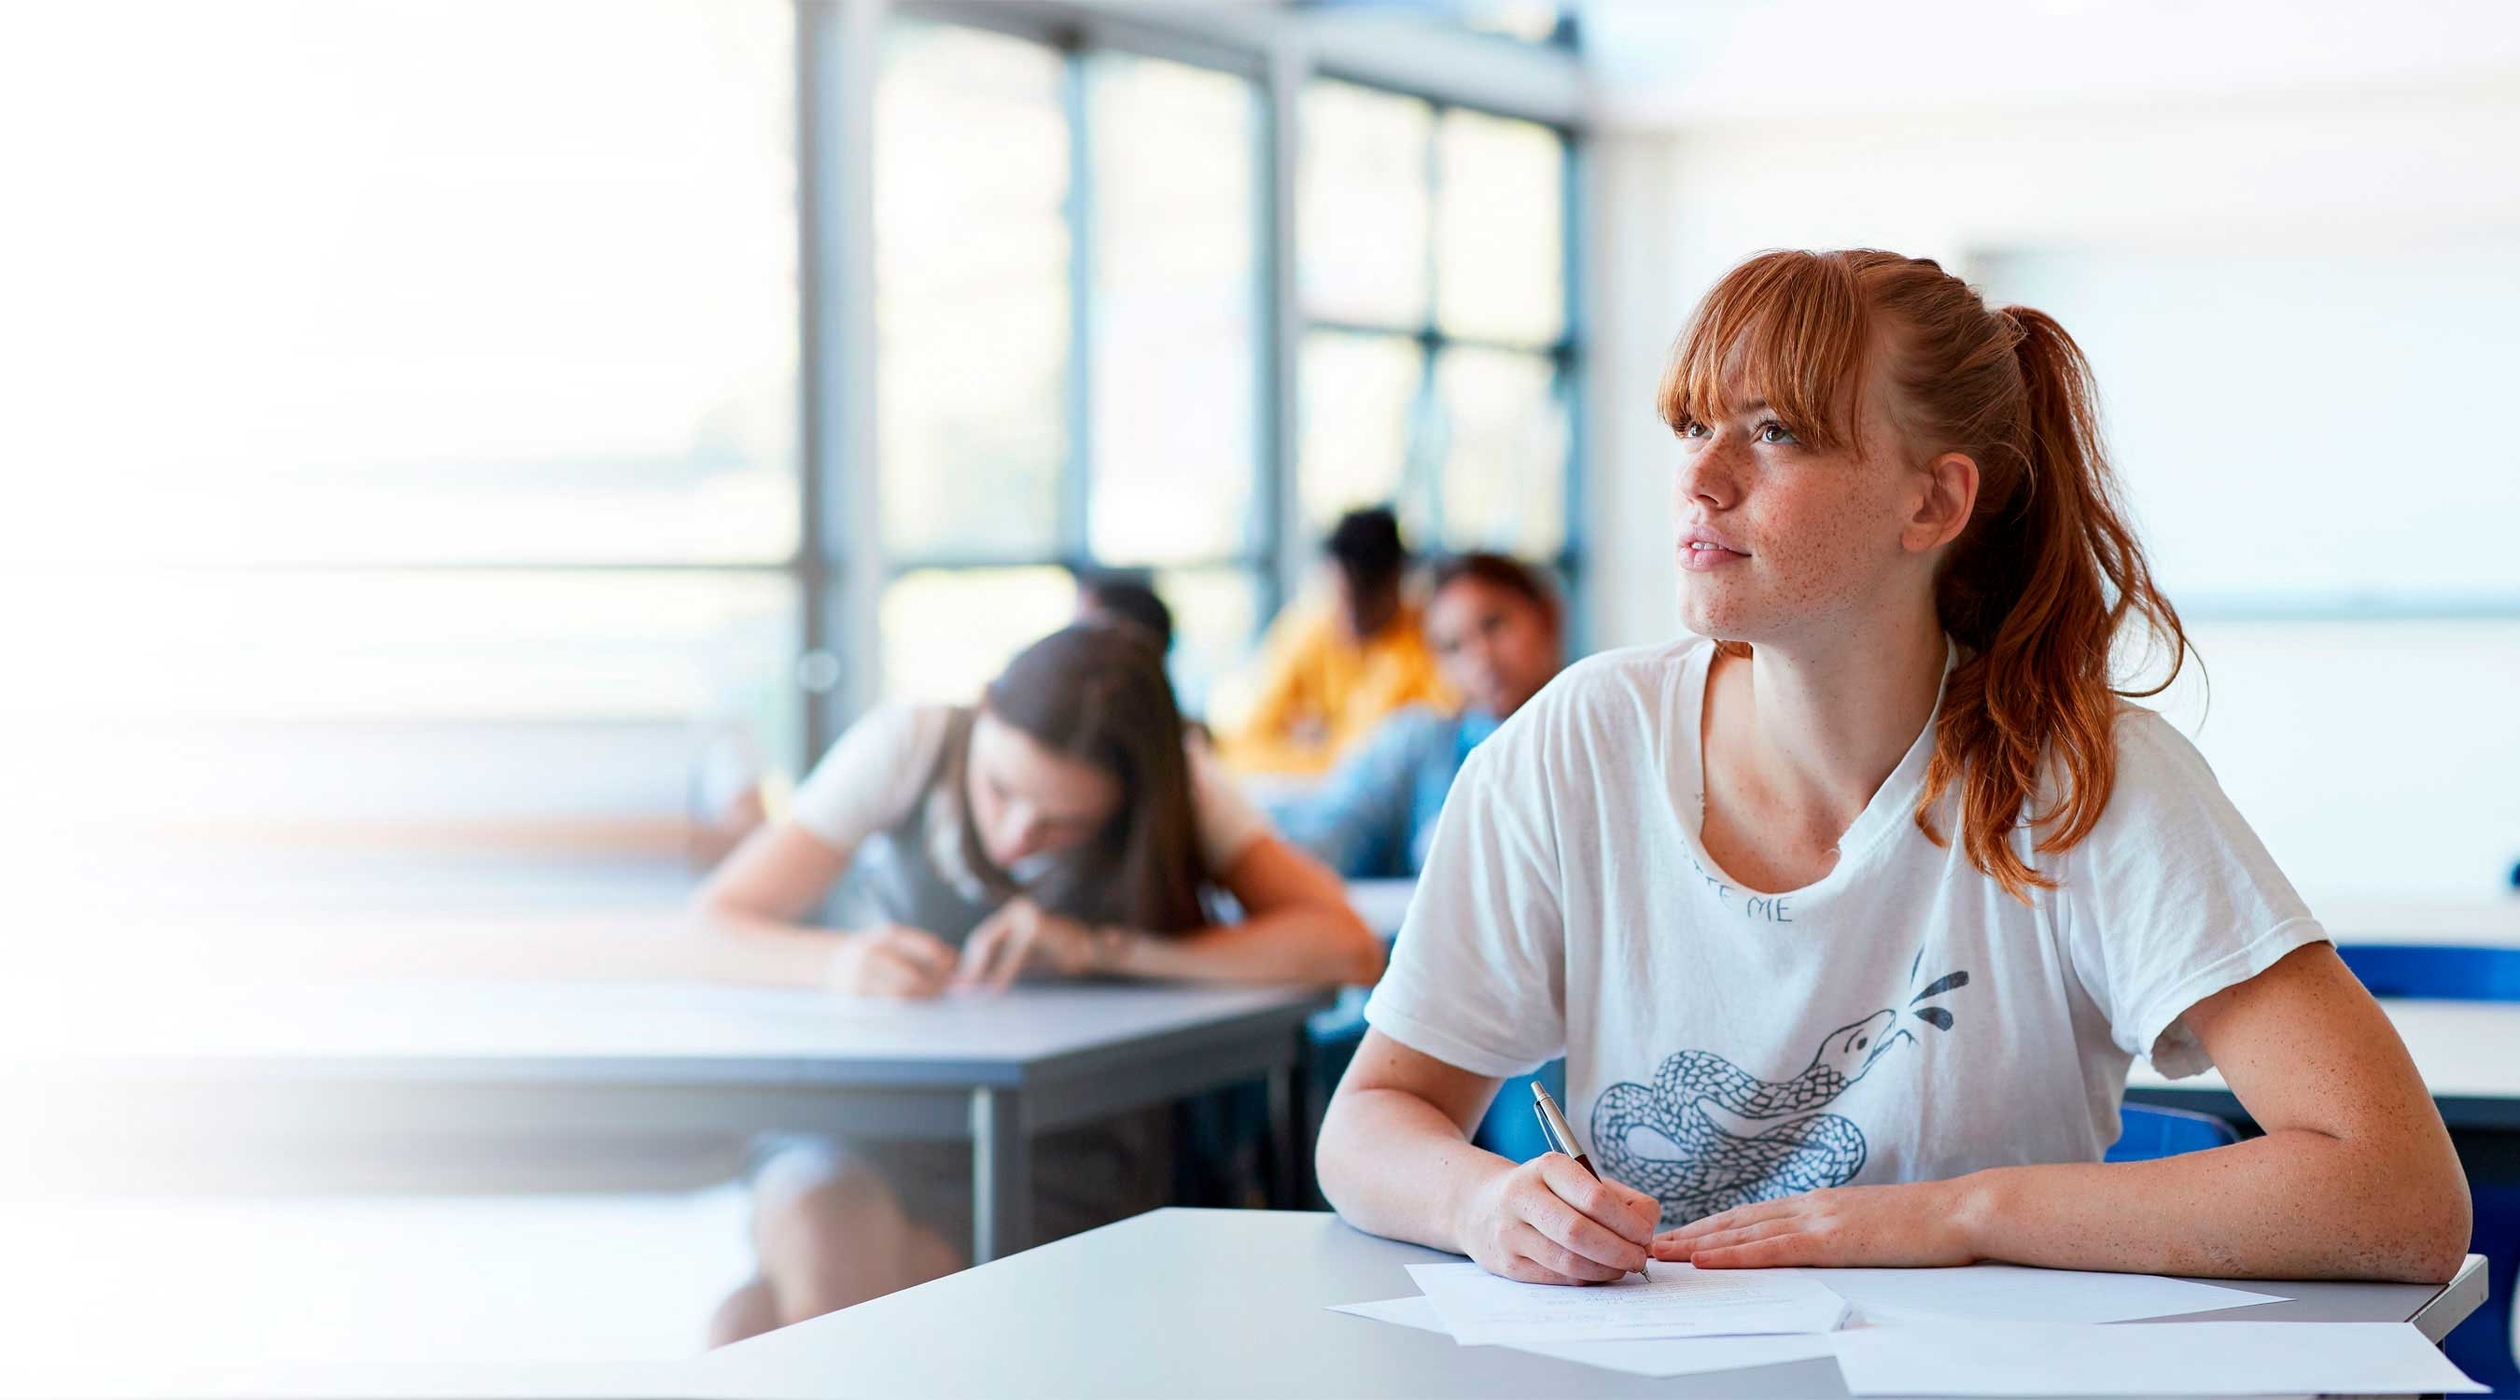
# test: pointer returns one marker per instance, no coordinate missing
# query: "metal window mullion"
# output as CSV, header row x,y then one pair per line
x,y
1276,457
1076,494
1431,342
839,47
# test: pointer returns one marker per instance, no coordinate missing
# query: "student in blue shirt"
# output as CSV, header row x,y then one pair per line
x,y
1498,637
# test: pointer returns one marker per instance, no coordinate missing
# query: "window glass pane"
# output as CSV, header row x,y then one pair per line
x,y
323,313
949,632
1216,616
1361,205
1505,440
1500,239
1361,400
1175,361
971,265
379,307
319,702
287,645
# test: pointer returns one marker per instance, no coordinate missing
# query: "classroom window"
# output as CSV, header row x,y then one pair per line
x,y
465,491
1437,359
1069,345
972,285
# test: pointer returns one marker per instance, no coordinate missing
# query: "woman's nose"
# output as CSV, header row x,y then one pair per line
x,y
1711,474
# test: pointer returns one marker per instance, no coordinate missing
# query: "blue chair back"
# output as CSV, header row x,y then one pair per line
x,y
2429,972
2147,1134
1509,1130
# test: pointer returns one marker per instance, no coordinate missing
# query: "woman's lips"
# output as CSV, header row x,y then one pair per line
x,y
1702,557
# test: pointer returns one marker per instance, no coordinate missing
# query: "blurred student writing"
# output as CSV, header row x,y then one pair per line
x,y
1060,827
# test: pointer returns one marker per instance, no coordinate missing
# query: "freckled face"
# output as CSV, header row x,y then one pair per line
x,y
1775,538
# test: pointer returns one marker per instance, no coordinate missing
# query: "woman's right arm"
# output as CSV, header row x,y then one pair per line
x,y
746,925
1395,1159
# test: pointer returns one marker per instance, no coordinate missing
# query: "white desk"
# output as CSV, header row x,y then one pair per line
x,y
1217,1303
1384,904
2467,1051
1174,1303
203,1068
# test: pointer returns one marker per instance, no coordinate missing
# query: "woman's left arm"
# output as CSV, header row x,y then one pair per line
x,y
2354,1178
1296,927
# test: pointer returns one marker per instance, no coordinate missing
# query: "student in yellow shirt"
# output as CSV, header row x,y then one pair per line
x,y
1329,675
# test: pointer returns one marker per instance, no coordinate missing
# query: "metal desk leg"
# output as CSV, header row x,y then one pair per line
x,y
1290,1156
1001,1176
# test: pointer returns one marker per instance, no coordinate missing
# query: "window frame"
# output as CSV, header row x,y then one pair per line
x,y
843,566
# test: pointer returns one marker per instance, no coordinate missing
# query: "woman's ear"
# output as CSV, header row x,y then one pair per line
x,y
1945,504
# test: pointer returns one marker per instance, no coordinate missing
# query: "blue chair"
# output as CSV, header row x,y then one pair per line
x,y
2482,1345
2147,1134
1510,1130
2427,972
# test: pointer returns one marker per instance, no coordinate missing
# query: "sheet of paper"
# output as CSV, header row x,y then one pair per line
x,y
1682,1356
2007,1293
1479,1308
2165,1358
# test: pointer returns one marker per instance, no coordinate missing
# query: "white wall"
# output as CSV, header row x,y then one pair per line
x,y
2380,759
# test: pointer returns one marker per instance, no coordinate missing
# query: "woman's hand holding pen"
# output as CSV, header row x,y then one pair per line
x,y
890,960
1550,1221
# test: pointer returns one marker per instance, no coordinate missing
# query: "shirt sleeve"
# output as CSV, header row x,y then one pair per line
x,y
1477,978
1229,823
872,777
1358,819
2172,898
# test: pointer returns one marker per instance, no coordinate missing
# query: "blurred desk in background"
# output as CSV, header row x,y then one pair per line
x,y
2467,1051
268,1080
1383,903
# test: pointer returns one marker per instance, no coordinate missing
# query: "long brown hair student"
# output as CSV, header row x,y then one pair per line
x,y
1059,827
1849,923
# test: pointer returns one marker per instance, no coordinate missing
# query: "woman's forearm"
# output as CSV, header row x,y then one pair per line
x,y
734,945
2292,1204
1392,1164
1299,943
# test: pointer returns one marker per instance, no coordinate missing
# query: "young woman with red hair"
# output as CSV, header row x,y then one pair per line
x,y
1849,923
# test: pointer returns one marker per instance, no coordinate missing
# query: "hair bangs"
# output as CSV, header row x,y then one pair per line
x,y
1785,329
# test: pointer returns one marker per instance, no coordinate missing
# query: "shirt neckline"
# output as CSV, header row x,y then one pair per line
x,y
1891,804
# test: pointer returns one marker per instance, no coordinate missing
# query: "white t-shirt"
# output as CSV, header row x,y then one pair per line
x,y
1901,1019
877,772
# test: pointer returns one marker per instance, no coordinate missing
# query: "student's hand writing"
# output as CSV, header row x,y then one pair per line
x,y
890,960
1550,1221
1920,1224
1021,934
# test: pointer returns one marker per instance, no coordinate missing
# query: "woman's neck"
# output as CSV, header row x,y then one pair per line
x,y
1816,730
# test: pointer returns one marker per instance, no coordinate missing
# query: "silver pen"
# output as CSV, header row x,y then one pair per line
x,y
1560,1136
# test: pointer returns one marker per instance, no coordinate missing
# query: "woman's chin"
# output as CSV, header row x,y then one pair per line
x,y
1706,617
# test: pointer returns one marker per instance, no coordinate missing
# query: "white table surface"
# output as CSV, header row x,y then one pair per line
x,y
1174,1303
1192,1303
600,1029
441,1085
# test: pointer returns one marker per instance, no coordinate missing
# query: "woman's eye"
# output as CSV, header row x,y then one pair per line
x,y
1691,428
1773,431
